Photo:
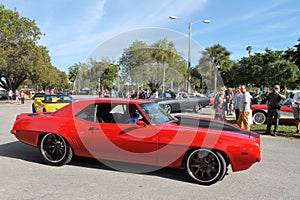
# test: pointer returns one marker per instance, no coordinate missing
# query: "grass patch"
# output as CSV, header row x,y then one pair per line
x,y
283,129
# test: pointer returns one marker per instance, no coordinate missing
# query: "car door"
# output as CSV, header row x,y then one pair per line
x,y
186,102
113,140
286,112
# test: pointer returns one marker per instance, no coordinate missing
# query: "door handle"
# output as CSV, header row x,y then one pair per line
x,y
93,129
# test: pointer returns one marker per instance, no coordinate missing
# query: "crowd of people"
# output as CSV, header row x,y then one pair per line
x,y
239,102
19,96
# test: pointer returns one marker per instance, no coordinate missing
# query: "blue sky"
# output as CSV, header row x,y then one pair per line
x,y
75,28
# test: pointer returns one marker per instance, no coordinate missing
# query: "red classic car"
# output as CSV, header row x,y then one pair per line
x,y
259,113
140,132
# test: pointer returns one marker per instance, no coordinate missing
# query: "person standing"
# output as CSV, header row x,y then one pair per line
x,y
22,96
10,95
220,105
236,102
274,103
245,109
296,110
257,97
17,93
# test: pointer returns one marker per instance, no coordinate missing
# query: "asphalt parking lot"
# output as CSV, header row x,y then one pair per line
x,y
24,176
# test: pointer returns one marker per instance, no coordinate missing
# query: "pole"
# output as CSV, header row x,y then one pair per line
x,y
189,58
215,75
164,77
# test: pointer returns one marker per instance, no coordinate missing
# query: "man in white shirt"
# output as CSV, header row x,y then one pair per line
x,y
296,110
245,109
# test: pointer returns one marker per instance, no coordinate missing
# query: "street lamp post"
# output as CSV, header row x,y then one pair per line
x,y
206,21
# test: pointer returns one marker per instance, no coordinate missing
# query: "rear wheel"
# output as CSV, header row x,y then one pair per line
x,y
33,108
55,150
259,117
197,108
205,166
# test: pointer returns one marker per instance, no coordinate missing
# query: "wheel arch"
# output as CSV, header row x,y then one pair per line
x,y
256,111
259,111
225,156
41,135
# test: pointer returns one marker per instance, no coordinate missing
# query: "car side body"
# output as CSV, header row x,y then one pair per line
x,y
176,102
259,113
93,128
50,103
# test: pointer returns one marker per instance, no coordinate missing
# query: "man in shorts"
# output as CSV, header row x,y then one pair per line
x,y
296,110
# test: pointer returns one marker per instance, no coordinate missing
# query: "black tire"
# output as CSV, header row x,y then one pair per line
x,y
55,150
205,166
259,117
197,108
33,108
44,110
168,108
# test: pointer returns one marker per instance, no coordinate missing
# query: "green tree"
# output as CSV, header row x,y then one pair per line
x,y
283,72
73,73
214,60
144,64
133,60
20,56
163,52
109,75
297,54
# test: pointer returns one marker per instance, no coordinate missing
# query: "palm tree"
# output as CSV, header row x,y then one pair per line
x,y
220,58
73,72
163,52
249,49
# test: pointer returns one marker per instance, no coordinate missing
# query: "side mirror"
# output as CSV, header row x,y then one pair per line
x,y
141,123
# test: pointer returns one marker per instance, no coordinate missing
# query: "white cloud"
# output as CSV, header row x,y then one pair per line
x,y
93,16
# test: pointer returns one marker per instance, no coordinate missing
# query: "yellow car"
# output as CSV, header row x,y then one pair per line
x,y
50,103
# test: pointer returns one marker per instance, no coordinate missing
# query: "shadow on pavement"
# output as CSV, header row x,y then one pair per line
x,y
18,150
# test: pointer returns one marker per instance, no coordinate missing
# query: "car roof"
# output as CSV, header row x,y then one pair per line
x,y
77,106
121,100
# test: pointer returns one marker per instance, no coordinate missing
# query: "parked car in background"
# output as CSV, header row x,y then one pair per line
x,y
175,102
50,103
259,113
3,96
97,128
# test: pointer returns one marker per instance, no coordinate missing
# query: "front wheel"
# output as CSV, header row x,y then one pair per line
x,y
259,117
54,150
205,166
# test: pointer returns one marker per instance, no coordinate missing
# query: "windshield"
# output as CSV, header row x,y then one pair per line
x,y
156,114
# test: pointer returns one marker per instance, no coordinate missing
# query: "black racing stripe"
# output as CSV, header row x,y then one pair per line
x,y
187,121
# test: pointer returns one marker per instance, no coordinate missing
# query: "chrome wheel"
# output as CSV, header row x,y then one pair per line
x,y
259,117
168,108
54,149
205,166
197,108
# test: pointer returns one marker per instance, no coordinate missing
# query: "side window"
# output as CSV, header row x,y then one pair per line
x,y
287,102
117,113
88,113
103,113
